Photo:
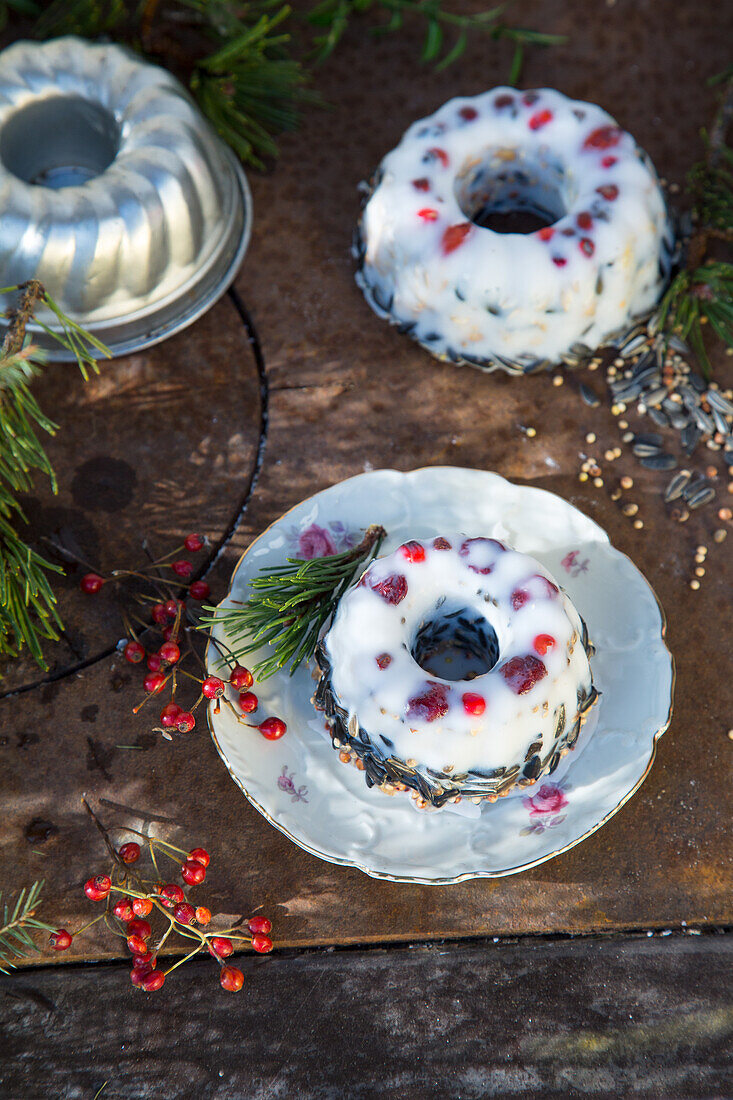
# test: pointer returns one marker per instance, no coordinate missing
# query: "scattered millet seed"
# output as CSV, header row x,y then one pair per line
x,y
725,514
699,572
582,476
711,471
616,494
590,437
558,380
623,425
694,585
630,509
627,482
617,452
531,432
627,437
720,535
610,456
701,550
598,482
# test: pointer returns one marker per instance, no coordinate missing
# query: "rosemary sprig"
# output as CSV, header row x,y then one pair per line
x,y
290,604
701,293
15,941
28,613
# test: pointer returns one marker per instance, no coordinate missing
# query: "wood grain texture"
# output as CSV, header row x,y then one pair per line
x,y
622,1017
346,394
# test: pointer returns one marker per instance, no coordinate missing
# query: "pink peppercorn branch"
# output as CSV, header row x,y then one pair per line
x,y
128,897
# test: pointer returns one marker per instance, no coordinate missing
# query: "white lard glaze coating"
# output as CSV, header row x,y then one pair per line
x,y
482,575
474,292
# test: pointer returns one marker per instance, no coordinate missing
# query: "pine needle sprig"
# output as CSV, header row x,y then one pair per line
x,y
290,604
15,939
28,611
334,17
701,293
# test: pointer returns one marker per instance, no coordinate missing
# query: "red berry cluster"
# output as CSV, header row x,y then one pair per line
x,y
164,662
131,899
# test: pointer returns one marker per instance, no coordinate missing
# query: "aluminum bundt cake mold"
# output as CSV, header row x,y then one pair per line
x,y
114,192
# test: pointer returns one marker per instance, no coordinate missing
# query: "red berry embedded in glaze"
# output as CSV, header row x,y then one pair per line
x,y
608,162
248,701
231,979
134,652
587,247
384,660
261,944
240,678
609,191
91,583
421,185
540,119
550,590
542,643
481,554
193,543
272,728
520,597
413,551
559,261
431,704
529,98
213,687
199,590
522,673
546,233
428,215
605,137
502,101
130,852
169,715
393,589
441,544
468,114
98,888
584,220
454,236
473,704
439,154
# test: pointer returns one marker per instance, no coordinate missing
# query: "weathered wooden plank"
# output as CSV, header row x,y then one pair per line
x,y
589,1017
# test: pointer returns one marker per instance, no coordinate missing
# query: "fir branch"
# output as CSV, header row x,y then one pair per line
x,y
702,291
28,613
252,81
15,940
290,604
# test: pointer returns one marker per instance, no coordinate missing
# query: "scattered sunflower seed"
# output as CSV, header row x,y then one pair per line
x,y
659,461
702,496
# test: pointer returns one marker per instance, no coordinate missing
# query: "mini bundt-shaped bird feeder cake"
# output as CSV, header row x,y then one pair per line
x,y
457,668
429,261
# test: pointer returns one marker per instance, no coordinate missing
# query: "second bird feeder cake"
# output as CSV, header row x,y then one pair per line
x,y
457,668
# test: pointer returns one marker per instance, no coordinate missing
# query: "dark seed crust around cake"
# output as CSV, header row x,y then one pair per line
x,y
435,788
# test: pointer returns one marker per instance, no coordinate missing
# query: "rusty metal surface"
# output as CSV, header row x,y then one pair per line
x,y
346,393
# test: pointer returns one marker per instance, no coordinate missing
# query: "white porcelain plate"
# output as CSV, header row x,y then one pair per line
x,y
324,806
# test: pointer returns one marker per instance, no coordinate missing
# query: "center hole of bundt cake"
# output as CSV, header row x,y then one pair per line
x,y
59,141
457,644
510,193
